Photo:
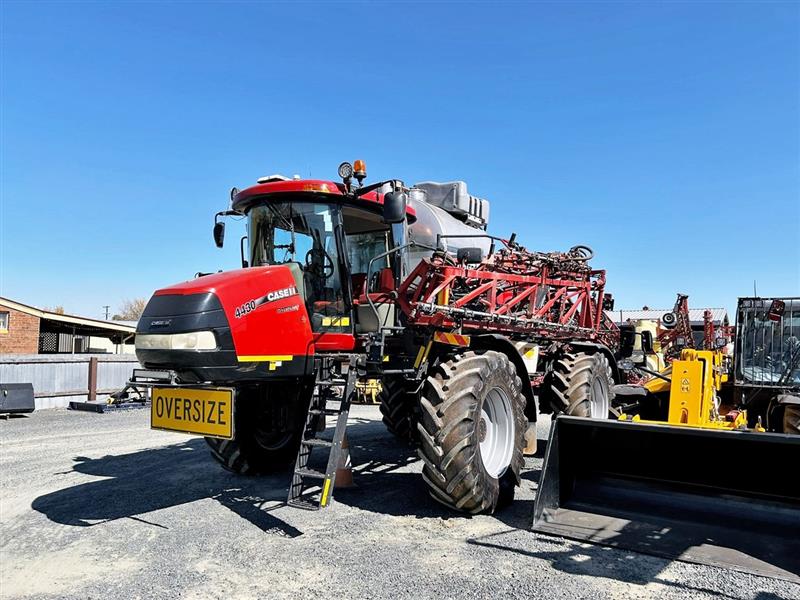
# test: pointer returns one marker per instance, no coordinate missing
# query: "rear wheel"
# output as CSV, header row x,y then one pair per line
x,y
582,385
268,424
398,407
472,430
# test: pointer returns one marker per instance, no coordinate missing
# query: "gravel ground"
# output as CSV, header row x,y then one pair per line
x,y
99,506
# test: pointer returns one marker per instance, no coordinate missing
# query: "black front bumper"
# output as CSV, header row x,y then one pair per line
x,y
176,313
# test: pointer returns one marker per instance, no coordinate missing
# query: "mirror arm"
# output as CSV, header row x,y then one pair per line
x,y
395,183
654,373
227,213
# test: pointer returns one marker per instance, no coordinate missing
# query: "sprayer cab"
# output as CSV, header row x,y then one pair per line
x,y
309,249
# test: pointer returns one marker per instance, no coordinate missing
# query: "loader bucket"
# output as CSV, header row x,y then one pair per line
x,y
723,498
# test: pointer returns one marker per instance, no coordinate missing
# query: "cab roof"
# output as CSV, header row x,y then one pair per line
x,y
370,201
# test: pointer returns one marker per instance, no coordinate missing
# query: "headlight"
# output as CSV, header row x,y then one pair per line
x,y
197,340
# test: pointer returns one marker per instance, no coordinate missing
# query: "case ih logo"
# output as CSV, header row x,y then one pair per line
x,y
279,294
251,305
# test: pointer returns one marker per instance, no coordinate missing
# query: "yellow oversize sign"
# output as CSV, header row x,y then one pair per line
x,y
204,412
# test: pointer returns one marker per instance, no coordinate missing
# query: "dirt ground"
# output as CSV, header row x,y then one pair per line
x,y
99,506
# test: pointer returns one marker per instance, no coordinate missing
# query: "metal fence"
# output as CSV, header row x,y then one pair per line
x,y
58,379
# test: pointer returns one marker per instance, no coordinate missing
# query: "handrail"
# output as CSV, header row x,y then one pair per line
x,y
410,244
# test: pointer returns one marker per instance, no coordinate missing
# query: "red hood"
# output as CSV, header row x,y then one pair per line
x,y
263,306
221,281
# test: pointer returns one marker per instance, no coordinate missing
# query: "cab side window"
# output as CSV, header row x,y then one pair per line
x,y
367,236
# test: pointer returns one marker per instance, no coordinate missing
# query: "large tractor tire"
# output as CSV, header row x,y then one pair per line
x,y
267,430
472,430
399,408
791,419
582,385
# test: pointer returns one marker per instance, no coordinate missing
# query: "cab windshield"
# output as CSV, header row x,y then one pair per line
x,y
303,235
769,351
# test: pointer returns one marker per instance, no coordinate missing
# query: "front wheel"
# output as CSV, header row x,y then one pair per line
x,y
472,431
268,424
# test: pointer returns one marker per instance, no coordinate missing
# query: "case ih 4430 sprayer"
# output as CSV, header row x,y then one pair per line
x,y
470,336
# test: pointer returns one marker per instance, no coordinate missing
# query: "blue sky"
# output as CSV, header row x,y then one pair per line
x,y
666,136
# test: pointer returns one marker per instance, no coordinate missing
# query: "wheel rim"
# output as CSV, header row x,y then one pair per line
x,y
598,404
496,432
266,437
272,440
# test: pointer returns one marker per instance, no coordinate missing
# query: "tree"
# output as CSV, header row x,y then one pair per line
x,y
131,309
59,310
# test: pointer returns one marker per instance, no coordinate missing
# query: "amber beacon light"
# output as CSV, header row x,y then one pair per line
x,y
360,170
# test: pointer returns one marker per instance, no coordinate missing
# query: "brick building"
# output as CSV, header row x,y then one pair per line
x,y
28,330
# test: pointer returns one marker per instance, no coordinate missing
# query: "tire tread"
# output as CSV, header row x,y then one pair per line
x,y
452,466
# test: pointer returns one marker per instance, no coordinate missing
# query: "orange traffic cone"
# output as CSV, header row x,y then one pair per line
x,y
344,470
530,440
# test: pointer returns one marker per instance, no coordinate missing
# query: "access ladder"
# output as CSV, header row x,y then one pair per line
x,y
311,489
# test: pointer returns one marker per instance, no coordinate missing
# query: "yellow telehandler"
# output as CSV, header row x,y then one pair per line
x,y
680,473
692,386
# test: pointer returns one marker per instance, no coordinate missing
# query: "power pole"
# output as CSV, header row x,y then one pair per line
x,y
106,306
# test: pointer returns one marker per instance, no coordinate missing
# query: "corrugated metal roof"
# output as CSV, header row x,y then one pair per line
x,y
718,315
119,326
123,322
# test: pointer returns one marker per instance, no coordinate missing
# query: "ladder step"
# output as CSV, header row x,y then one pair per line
x,y
306,472
330,384
326,400
324,411
318,442
304,504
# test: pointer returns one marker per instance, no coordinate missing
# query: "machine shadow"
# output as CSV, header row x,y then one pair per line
x,y
607,559
383,482
575,558
387,481
149,480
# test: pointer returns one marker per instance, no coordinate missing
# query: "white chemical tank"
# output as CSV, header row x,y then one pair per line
x,y
433,221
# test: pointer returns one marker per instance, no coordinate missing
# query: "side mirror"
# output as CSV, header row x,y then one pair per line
x,y
608,302
394,207
469,255
647,342
245,264
219,233
627,340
